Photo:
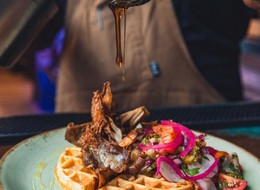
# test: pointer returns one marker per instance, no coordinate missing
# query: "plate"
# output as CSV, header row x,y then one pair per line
x,y
30,164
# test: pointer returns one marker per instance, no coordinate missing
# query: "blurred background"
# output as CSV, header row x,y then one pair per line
x,y
29,86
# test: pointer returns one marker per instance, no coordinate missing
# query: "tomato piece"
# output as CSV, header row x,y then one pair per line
x,y
220,154
231,183
166,133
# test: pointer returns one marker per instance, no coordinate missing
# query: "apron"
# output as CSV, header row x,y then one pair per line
x,y
159,71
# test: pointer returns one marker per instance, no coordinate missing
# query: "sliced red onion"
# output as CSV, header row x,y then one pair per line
x,y
206,169
185,131
201,136
209,150
171,145
168,169
185,141
171,172
177,161
213,172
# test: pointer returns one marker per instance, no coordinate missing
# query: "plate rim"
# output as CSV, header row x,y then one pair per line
x,y
13,148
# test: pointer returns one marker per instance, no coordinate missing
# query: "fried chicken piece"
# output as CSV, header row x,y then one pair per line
x,y
102,121
130,119
107,98
129,138
74,133
99,143
100,140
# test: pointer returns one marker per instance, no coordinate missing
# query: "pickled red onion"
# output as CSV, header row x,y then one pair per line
x,y
171,145
191,136
168,169
171,172
210,150
207,168
201,137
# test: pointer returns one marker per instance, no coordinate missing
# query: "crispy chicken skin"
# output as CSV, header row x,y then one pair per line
x,y
106,142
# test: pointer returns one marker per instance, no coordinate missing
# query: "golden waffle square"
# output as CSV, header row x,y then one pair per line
x,y
141,182
70,172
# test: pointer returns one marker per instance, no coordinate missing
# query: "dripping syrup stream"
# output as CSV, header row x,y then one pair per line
x,y
118,16
123,66
120,12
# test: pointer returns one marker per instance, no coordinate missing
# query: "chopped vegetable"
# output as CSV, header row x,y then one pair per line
x,y
185,131
174,152
230,183
165,144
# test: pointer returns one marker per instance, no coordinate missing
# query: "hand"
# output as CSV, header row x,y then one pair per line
x,y
255,4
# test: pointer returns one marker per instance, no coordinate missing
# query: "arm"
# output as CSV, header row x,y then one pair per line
x,y
255,4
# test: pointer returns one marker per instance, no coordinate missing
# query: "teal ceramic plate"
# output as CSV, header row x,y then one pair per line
x,y
30,164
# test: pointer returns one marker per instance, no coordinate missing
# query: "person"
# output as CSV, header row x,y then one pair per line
x,y
177,53
194,45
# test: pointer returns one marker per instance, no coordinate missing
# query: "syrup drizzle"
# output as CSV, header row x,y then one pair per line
x,y
119,11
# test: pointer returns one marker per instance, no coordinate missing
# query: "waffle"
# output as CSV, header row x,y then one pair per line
x,y
71,174
126,182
